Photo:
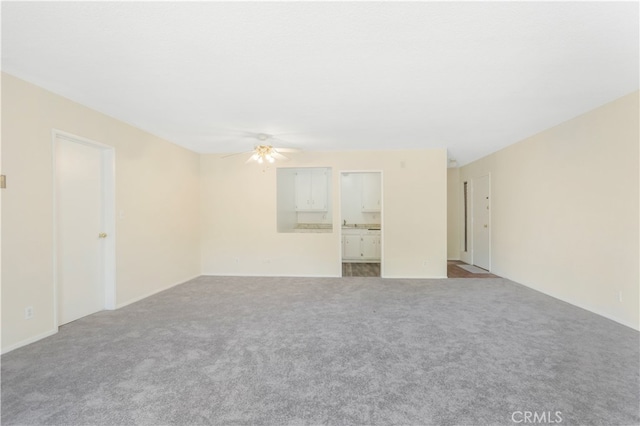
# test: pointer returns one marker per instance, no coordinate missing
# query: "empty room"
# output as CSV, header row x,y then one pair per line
x,y
320,213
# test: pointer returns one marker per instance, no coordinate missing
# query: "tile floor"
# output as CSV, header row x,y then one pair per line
x,y
373,270
360,269
453,271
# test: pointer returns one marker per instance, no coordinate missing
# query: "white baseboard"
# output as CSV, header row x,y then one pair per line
x,y
602,314
612,318
137,299
266,275
29,341
52,332
413,277
319,276
580,305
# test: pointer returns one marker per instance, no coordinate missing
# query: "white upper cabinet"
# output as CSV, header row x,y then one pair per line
x,y
371,192
312,189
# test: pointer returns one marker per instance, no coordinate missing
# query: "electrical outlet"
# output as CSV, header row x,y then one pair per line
x,y
424,263
28,312
237,260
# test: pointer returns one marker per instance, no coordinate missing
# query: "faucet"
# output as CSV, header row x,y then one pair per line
x,y
345,222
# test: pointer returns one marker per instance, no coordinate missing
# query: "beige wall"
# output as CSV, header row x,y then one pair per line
x,y
564,205
239,216
565,210
157,189
453,214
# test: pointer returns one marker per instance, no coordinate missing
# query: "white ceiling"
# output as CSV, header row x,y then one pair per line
x,y
471,77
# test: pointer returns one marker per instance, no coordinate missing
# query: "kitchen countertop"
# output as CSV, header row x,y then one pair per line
x,y
328,227
309,228
366,226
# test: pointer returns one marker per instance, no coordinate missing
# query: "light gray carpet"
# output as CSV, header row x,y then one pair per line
x,y
473,269
343,351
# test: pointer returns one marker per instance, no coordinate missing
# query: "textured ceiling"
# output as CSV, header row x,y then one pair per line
x,y
471,77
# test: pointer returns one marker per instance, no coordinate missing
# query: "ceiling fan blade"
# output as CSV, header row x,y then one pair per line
x,y
235,153
287,149
275,154
285,142
250,160
288,134
228,141
230,130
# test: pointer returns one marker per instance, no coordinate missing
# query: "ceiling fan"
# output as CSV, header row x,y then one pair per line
x,y
264,151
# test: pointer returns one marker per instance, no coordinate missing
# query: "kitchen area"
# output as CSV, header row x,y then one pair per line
x,y
361,214
304,206
304,200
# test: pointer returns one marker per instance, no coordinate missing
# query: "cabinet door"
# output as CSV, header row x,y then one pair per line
x,y
351,247
311,190
369,247
319,189
371,192
303,190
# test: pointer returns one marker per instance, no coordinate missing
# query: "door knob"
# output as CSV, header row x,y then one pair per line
x,y
102,235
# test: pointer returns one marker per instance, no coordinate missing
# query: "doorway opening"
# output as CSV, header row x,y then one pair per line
x,y
84,240
361,223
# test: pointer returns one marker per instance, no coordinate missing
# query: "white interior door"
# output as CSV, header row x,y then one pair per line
x,y
80,221
482,222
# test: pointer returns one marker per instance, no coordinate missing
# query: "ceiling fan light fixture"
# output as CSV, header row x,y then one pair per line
x,y
263,153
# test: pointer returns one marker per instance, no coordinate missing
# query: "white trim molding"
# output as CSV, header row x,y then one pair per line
x,y
29,341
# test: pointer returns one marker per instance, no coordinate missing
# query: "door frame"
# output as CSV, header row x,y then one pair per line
x,y
108,205
473,219
339,216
